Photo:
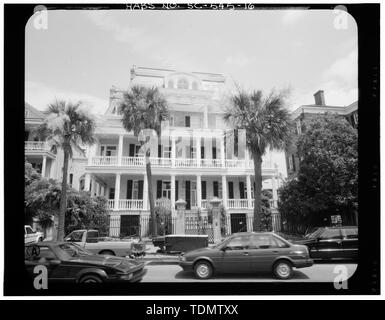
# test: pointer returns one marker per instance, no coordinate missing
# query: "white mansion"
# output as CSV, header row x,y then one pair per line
x,y
197,157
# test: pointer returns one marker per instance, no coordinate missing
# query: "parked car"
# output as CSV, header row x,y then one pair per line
x,y
90,240
248,252
68,262
332,243
32,236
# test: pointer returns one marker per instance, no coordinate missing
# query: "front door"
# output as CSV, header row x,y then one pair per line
x,y
129,225
238,222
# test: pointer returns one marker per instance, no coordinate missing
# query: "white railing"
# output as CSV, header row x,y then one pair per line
x,y
237,203
105,161
130,204
133,161
236,163
36,146
211,163
185,163
111,204
160,162
165,203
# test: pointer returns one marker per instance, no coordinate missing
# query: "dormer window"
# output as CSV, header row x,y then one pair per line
x,y
182,83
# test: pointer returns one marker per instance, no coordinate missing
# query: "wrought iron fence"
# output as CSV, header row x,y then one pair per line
x,y
199,226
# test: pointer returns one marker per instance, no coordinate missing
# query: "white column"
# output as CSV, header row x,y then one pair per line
x,y
224,191
223,151
205,118
43,166
173,151
198,153
87,182
91,153
274,188
172,193
199,191
117,190
248,187
145,192
120,150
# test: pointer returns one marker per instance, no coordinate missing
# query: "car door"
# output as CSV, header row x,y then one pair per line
x,y
235,255
329,244
263,250
350,242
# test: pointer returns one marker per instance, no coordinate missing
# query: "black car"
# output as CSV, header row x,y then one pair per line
x,y
332,243
66,261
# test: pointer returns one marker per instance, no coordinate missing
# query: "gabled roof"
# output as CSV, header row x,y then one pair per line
x,y
32,113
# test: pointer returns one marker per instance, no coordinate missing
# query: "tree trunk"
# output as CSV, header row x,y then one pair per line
x,y
257,191
150,194
63,197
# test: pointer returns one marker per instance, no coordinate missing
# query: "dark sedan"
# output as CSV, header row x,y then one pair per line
x,y
332,243
66,261
248,252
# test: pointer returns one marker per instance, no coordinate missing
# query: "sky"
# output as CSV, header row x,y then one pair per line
x,y
83,53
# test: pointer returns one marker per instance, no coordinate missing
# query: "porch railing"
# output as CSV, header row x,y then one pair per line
x,y
36,146
105,161
211,163
126,204
185,162
237,203
133,161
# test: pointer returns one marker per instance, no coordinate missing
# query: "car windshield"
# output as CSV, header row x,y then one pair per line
x,y
73,250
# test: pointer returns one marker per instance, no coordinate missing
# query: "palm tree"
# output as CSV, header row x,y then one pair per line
x,y
144,109
267,125
67,125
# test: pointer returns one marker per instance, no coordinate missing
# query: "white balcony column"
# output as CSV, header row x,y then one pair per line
x,y
120,149
87,182
222,144
205,118
117,191
173,151
145,192
224,191
199,191
43,166
91,153
172,194
248,188
198,153
274,188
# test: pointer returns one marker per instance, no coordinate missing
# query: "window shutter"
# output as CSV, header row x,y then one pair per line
x,y
204,192
129,189
140,191
231,189
241,189
214,152
215,187
188,196
202,152
132,150
159,151
159,189
176,190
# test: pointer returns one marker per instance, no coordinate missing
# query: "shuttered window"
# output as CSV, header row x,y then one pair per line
x,y
159,189
215,189
231,190
129,189
241,189
204,190
140,190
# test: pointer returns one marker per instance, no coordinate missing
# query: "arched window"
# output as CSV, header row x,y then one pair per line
x,y
195,85
170,84
182,83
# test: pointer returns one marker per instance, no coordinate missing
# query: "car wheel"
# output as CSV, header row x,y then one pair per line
x,y
107,252
283,269
203,270
90,278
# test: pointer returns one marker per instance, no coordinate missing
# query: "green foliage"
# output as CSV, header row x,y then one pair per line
x,y
327,181
266,220
143,108
42,200
30,174
163,217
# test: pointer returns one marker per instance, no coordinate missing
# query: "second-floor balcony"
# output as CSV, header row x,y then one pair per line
x,y
175,163
39,148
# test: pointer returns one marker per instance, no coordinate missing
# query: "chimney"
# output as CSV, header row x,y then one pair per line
x,y
319,98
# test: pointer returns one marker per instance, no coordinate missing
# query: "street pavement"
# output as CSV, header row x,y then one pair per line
x,y
322,272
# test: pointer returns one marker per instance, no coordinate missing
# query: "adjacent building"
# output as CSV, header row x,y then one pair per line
x,y
317,109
